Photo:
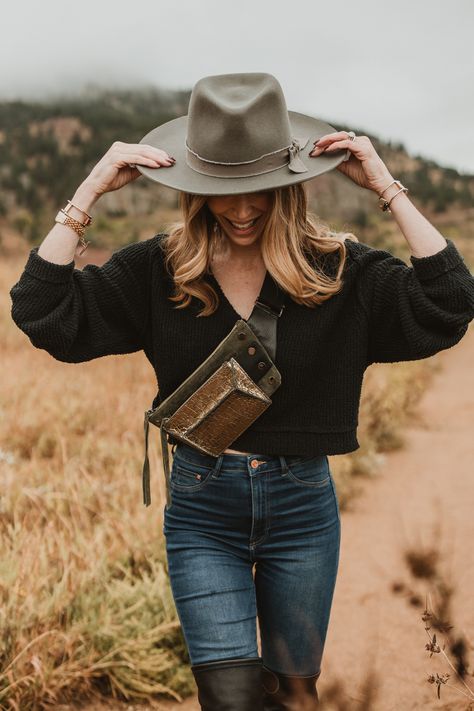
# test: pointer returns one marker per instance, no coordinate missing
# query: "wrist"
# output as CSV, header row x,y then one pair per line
x,y
85,197
76,213
381,184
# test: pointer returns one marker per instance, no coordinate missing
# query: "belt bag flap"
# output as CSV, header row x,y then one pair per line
x,y
218,411
242,344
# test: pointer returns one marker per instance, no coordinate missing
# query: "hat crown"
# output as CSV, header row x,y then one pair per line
x,y
237,117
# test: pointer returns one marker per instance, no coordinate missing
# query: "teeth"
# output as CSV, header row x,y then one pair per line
x,y
244,225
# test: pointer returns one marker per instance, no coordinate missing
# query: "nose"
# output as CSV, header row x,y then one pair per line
x,y
242,208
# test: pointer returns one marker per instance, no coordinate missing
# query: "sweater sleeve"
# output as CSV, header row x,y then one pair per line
x,y
77,315
413,312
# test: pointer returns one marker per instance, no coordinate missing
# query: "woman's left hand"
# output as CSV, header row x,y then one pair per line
x,y
364,167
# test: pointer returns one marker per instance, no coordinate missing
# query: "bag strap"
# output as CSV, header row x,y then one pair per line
x,y
268,308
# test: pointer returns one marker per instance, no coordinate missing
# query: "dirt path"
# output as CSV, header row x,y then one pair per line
x,y
430,481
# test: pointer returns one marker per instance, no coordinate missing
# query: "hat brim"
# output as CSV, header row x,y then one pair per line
x,y
171,138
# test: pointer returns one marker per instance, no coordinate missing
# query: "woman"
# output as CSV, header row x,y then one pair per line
x,y
256,530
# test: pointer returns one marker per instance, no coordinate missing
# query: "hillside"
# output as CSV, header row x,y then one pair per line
x,y
47,149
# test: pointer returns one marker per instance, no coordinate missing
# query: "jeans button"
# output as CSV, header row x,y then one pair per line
x,y
254,463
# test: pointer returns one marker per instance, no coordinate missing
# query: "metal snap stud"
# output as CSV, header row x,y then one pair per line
x,y
261,365
251,350
241,336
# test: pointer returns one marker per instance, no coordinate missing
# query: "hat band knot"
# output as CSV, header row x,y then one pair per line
x,y
266,163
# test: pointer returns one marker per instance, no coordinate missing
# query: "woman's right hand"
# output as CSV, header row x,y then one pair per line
x,y
117,167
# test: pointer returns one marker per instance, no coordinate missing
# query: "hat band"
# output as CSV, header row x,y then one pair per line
x,y
289,155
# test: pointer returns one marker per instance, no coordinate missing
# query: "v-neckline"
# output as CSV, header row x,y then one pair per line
x,y
226,300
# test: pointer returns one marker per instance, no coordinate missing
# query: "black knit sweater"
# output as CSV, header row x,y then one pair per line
x,y
386,312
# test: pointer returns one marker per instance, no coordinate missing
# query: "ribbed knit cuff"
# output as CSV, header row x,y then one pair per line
x,y
436,264
48,271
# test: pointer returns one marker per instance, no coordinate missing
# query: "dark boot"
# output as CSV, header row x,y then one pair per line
x,y
289,693
230,684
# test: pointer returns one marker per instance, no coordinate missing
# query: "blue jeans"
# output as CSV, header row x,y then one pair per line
x,y
247,535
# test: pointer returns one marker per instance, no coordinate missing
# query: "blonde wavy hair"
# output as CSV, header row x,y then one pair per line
x,y
294,243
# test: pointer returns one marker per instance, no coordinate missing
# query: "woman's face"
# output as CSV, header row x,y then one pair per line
x,y
235,212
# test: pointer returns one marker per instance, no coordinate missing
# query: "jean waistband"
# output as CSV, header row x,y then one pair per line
x,y
235,461
229,461
191,454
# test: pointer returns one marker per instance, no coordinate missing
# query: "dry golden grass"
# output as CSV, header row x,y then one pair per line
x,y
85,600
430,588
86,606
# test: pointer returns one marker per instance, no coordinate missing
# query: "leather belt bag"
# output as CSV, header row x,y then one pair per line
x,y
227,392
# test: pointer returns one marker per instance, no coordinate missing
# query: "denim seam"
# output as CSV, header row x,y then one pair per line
x,y
191,462
185,487
266,515
252,545
336,501
309,484
212,473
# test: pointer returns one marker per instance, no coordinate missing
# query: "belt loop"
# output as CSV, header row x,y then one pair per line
x,y
217,467
283,464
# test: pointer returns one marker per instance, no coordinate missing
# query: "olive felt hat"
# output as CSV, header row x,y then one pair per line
x,y
239,137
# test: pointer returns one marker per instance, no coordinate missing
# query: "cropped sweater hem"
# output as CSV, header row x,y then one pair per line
x,y
281,442
385,312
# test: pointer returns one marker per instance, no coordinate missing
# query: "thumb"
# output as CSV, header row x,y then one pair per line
x,y
134,172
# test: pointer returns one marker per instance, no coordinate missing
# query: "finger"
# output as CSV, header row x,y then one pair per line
x,y
328,137
339,146
142,149
336,146
145,160
158,153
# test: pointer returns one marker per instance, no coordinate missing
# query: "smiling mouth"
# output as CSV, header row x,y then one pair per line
x,y
243,226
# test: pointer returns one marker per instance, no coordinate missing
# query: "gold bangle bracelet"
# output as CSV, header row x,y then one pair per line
x,y
385,204
88,218
393,181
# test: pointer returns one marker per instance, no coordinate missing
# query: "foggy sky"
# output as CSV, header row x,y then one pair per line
x,y
401,69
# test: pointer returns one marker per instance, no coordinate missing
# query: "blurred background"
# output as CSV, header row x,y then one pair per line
x,y
75,78
86,613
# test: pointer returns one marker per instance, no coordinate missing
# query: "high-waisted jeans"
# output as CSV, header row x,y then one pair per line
x,y
247,535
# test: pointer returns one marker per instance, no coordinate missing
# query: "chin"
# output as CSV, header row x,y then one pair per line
x,y
243,240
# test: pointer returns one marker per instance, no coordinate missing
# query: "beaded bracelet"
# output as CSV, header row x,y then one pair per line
x,y
78,227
